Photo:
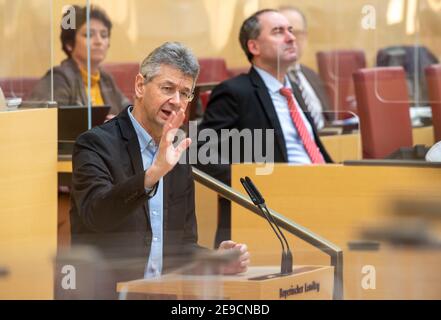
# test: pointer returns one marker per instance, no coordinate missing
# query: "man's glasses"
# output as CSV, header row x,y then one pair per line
x,y
169,90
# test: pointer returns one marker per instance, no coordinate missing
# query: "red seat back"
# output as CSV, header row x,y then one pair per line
x,y
18,87
212,70
336,69
383,108
433,78
124,74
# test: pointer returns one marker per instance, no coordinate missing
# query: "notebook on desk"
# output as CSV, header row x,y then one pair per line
x,y
73,121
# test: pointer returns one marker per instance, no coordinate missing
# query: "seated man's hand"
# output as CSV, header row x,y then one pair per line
x,y
242,263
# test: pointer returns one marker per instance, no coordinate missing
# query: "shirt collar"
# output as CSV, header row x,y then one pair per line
x,y
295,67
145,140
272,83
94,78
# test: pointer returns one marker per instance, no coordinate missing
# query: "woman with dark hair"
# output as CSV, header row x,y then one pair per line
x,y
70,77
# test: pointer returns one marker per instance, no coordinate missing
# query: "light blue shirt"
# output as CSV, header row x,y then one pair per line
x,y
294,146
148,151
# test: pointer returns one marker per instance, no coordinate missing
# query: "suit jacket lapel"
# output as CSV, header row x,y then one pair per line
x,y
268,107
298,95
80,85
132,143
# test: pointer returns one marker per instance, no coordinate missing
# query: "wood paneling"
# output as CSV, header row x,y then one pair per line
x,y
28,202
338,202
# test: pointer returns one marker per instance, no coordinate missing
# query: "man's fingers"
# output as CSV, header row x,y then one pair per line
x,y
245,256
245,263
228,244
177,121
242,247
184,145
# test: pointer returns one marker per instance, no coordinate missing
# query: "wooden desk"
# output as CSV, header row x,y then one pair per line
x,y
318,279
337,202
28,202
349,147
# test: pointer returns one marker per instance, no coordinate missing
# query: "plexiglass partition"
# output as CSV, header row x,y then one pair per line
x,y
359,69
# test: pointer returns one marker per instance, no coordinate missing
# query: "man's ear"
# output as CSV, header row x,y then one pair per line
x,y
139,86
253,47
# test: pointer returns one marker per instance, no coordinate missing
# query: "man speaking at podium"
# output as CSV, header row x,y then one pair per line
x,y
130,197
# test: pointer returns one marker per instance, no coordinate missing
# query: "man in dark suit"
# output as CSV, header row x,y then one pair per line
x,y
312,87
131,199
263,100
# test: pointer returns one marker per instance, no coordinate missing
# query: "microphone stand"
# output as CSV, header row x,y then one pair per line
x,y
259,201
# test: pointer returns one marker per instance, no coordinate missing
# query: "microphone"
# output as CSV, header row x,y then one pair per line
x,y
259,201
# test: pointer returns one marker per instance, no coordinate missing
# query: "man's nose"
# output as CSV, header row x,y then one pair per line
x,y
176,98
290,36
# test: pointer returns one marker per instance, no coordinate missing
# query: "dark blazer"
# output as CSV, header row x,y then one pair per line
x,y
109,208
243,102
318,86
69,88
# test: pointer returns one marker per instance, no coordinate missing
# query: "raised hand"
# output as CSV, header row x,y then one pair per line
x,y
168,155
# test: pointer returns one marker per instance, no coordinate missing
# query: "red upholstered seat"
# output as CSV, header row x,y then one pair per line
x,y
383,108
433,78
124,74
336,69
212,70
18,87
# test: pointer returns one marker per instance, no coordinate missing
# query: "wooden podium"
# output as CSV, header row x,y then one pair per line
x,y
258,283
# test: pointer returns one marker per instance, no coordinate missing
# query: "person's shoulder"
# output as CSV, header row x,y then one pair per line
x,y
108,79
240,79
236,84
66,71
307,70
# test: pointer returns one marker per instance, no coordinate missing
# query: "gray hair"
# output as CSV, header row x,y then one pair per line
x,y
250,30
173,54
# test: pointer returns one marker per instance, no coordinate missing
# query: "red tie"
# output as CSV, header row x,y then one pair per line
x,y
309,143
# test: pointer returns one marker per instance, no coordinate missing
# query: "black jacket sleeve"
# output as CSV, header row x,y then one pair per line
x,y
102,204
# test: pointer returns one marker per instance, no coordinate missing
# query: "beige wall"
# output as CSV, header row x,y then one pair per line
x,y
210,27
